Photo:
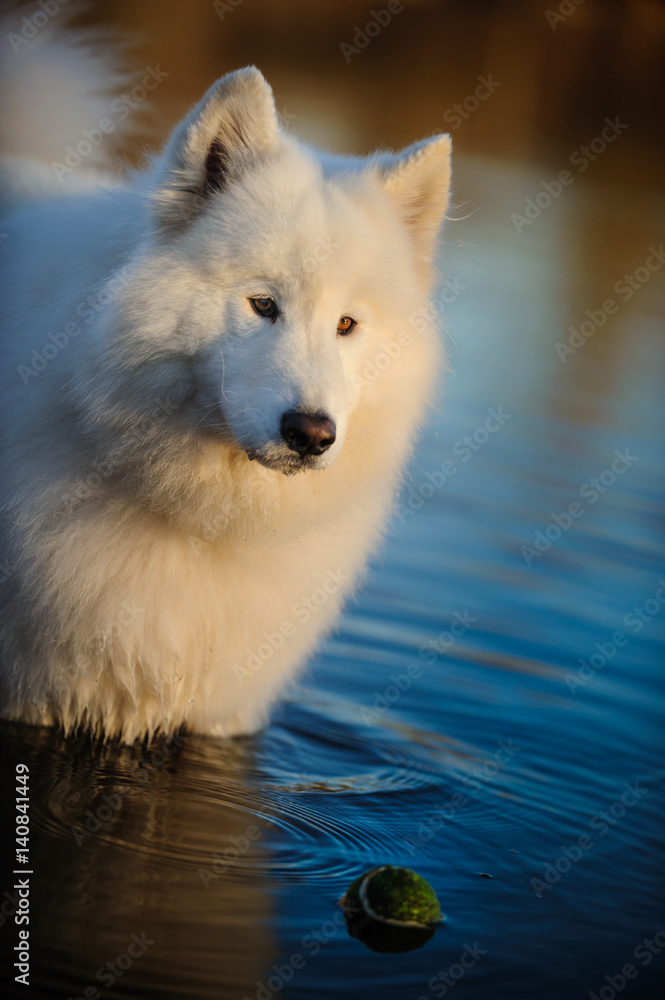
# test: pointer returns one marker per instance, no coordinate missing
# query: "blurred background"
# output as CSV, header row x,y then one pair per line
x,y
552,299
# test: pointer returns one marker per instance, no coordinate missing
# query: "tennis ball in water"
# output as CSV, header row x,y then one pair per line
x,y
391,909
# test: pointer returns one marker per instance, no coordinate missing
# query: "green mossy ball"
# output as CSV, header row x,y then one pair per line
x,y
393,895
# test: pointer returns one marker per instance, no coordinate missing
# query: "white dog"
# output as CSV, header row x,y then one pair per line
x,y
212,376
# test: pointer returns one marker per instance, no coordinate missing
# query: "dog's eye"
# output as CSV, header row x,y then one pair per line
x,y
265,307
345,325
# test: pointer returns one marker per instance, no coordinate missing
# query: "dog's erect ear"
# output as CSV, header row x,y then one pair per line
x,y
224,134
418,181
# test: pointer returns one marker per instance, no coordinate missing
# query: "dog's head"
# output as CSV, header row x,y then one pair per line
x,y
288,272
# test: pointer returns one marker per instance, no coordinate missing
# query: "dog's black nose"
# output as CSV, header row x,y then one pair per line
x,y
308,433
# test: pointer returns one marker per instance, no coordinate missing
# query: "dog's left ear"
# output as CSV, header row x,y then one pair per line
x,y
225,134
418,181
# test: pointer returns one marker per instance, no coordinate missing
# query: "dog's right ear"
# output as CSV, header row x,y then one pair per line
x,y
224,135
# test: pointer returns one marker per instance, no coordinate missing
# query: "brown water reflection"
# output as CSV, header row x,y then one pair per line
x,y
134,859
554,87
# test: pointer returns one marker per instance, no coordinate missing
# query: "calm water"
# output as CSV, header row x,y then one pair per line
x,y
219,865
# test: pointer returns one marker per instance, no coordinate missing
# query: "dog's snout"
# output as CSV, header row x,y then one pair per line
x,y
308,433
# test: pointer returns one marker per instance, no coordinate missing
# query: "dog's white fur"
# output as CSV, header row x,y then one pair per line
x,y
150,567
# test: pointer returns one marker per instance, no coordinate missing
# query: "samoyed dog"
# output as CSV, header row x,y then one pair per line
x,y
212,372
